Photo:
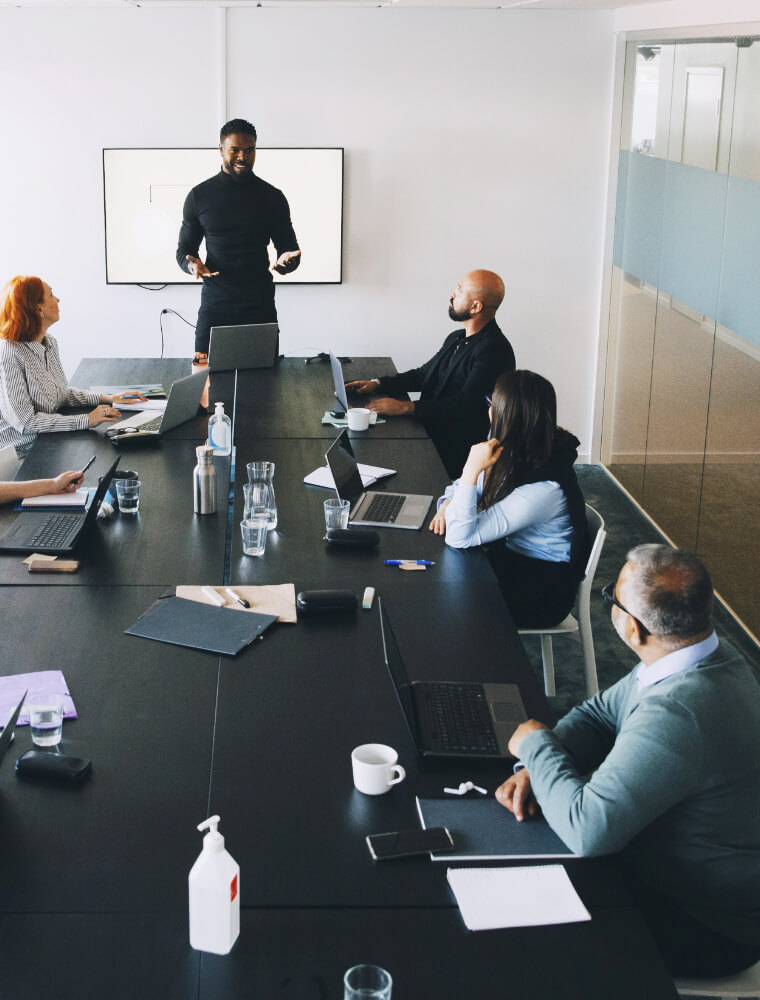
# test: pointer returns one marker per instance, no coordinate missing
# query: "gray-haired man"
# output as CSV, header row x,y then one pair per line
x,y
663,767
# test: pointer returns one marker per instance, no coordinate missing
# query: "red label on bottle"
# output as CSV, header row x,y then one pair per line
x,y
233,888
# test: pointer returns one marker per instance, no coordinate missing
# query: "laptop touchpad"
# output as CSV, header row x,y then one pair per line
x,y
505,711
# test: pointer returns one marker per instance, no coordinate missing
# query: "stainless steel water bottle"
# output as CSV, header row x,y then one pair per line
x,y
204,481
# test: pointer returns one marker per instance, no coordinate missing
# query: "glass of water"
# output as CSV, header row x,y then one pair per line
x,y
45,717
128,494
336,513
253,529
367,982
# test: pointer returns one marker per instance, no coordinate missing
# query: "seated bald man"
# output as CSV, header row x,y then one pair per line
x,y
663,767
454,383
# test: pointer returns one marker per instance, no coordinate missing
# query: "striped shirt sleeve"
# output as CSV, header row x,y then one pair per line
x,y
32,388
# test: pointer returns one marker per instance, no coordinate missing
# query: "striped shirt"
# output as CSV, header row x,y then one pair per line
x,y
32,390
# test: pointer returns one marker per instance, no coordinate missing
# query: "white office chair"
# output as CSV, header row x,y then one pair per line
x,y
743,984
581,627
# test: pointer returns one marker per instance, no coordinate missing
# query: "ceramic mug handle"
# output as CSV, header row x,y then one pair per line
x,y
401,775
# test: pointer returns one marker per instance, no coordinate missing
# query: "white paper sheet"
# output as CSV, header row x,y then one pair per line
x,y
369,473
148,404
530,896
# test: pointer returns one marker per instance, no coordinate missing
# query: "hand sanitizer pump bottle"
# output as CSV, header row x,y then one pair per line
x,y
220,431
214,891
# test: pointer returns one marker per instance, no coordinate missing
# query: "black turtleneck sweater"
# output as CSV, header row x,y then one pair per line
x,y
237,217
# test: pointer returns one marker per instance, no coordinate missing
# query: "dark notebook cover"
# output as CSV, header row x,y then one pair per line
x,y
481,828
200,626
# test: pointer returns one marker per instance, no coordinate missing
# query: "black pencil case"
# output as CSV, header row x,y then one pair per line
x,y
320,602
353,538
57,766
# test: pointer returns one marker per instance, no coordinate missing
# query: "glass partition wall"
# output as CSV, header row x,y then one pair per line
x,y
682,397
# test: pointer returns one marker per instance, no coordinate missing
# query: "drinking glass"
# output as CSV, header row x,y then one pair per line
x,y
336,513
253,530
128,493
367,982
45,717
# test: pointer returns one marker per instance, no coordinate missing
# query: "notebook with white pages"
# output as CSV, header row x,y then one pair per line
x,y
76,500
370,474
529,896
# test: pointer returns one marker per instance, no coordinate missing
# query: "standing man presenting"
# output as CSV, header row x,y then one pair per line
x,y
238,214
455,382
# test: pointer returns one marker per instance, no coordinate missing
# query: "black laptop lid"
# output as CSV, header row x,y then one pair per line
x,y
340,458
399,676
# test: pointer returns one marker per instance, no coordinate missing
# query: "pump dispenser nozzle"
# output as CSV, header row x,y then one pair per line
x,y
213,840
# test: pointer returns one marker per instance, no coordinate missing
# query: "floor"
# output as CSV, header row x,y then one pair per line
x,y
626,526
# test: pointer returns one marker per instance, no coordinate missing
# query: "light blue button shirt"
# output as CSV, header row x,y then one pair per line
x,y
675,662
533,520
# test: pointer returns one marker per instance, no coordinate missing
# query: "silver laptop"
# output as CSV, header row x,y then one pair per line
x,y
376,508
340,384
250,345
182,404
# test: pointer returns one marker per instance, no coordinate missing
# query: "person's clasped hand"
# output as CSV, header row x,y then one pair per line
x,y
482,456
103,414
517,795
67,482
438,524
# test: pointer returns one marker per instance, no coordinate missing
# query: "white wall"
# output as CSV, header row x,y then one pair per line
x,y
738,16
473,139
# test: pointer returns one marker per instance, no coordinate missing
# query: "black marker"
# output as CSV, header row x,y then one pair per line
x,y
87,466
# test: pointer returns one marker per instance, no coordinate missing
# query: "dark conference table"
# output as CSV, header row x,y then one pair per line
x,y
93,878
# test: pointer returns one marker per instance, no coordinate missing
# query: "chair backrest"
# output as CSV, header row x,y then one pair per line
x,y
597,535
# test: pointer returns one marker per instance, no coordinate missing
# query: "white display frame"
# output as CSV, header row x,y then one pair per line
x,y
144,190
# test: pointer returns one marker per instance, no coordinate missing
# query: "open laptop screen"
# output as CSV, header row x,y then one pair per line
x,y
339,384
340,458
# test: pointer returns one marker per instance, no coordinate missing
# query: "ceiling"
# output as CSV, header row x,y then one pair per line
x,y
505,4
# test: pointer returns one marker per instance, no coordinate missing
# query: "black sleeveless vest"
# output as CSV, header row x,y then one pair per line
x,y
558,468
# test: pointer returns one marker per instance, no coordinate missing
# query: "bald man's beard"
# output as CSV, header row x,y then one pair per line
x,y
458,317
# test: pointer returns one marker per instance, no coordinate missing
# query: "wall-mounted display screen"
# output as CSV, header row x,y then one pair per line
x,y
144,191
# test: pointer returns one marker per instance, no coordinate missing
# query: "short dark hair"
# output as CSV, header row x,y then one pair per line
x,y
670,592
234,126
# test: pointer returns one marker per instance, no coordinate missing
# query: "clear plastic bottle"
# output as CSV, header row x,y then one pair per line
x,y
220,431
214,894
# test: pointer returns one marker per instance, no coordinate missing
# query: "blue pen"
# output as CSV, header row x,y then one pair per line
x,y
414,562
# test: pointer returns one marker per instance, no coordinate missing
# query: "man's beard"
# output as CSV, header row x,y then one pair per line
x,y
458,317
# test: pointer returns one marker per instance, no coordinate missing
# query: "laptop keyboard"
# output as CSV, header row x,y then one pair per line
x,y
460,715
384,507
152,425
54,531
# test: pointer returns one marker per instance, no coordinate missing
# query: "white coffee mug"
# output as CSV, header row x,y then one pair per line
x,y
374,765
358,419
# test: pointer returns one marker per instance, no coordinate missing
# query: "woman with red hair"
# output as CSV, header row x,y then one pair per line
x,y
33,386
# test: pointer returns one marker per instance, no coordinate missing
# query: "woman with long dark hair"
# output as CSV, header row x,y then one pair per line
x,y
519,495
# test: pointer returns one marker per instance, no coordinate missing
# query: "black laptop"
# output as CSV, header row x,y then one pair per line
x,y
238,348
55,533
453,718
372,507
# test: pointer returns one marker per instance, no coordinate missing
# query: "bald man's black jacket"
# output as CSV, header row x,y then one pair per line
x,y
453,387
